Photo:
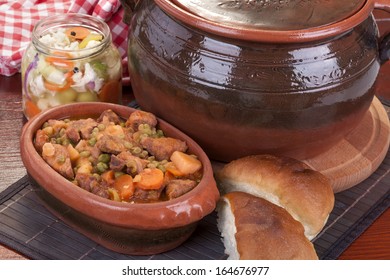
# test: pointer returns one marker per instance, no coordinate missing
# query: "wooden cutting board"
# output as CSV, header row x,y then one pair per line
x,y
359,154
355,157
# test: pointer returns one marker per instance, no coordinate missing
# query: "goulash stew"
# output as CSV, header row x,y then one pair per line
x,y
123,160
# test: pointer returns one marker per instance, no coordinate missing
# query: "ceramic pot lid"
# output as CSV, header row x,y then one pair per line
x,y
282,15
272,21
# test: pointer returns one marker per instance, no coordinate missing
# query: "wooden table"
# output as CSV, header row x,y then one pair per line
x,y
374,243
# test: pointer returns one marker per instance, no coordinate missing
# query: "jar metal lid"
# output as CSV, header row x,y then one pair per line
x,y
270,20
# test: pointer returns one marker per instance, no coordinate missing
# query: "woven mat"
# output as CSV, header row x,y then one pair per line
x,y
27,227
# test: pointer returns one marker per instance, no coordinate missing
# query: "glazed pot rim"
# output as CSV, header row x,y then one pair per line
x,y
177,214
263,35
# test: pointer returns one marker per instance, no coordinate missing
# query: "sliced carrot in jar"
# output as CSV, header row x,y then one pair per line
x,y
54,87
60,62
77,32
58,88
31,109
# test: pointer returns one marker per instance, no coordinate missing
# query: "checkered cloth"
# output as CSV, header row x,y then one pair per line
x,y
18,17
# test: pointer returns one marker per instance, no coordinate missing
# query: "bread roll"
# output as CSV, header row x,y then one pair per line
x,y
306,194
253,228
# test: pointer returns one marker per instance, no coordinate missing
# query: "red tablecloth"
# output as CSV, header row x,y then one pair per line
x,y
18,17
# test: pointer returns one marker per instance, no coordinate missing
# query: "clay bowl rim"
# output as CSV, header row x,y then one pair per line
x,y
267,36
189,208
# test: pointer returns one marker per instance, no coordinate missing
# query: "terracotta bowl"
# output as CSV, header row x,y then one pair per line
x,y
138,229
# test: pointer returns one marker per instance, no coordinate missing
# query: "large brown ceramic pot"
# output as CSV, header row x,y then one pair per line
x,y
293,84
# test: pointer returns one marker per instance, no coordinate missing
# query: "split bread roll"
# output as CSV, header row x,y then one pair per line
x,y
306,194
254,228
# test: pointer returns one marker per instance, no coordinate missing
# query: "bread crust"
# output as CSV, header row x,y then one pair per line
x,y
265,230
305,193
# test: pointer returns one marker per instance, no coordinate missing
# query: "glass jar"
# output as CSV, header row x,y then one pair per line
x,y
71,58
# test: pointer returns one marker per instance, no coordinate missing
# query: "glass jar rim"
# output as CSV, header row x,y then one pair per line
x,y
43,26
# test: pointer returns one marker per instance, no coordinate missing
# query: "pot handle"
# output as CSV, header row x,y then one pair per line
x,y
384,44
382,5
128,6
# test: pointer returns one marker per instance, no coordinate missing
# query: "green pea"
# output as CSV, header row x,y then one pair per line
x,y
62,132
162,167
132,166
136,150
61,159
65,142
144,154
92,141
85,153
101,167
128,145
113,194
104,158
159,133
151,165
101,127
118,174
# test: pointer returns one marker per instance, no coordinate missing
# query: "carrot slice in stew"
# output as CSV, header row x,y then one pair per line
x,y
108,176
77,32
125,187
149,179
31,109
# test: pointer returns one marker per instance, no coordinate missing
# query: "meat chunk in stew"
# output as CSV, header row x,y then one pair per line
x,y
141,117
80,129
126,160
162,148
57,157
108,117
92,184
40,139
178,187
111,144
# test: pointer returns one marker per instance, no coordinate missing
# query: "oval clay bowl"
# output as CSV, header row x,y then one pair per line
x,y
138,229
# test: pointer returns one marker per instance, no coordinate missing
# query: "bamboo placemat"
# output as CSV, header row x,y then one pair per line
x,y
29,228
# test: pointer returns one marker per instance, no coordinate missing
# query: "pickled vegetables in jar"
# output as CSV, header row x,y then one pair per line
x,y
71,59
